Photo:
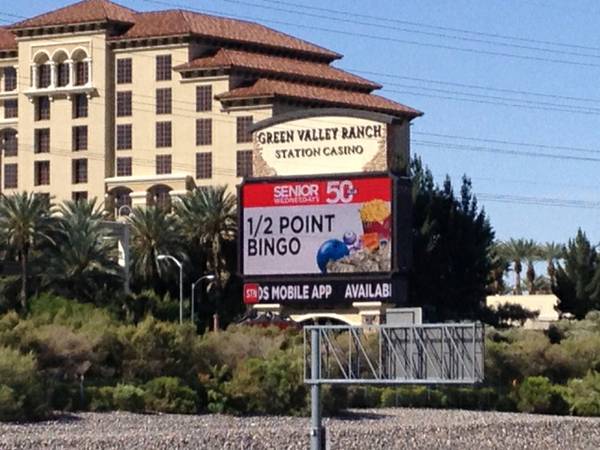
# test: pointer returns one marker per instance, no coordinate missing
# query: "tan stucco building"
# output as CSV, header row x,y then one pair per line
x,y
134,108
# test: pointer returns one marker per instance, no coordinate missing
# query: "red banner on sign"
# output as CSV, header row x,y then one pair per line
x,y
316,192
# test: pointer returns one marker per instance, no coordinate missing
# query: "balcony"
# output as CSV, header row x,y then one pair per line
x,y
63,77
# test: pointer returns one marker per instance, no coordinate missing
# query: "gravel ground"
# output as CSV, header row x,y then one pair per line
x,y
365,429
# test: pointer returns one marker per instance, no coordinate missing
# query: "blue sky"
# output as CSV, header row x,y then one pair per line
x,y
473,67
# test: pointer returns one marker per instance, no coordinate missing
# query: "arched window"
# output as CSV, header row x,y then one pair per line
x,y
42,70
82,69
63,70
122,201
160,197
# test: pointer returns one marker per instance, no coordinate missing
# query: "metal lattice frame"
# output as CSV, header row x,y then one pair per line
x,y
386,354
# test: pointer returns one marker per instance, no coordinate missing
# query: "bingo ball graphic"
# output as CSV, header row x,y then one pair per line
x,y
330,250
349,237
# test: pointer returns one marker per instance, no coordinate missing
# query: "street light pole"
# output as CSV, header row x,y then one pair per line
x,y
176,261
198,281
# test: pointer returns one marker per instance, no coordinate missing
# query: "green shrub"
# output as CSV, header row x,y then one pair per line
x,y
364,397
539,395
11,405
272,386
22,393
101,399
334,399
170,395
412,396
470,398
128,398
584,395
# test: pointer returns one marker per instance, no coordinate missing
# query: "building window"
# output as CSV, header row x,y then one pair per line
x,y
9,142
79,171
81,73
80,138
44,75
11,177
203,131
204,98
10,78
163,67
123,103
80,106
41,173
163,164
124,71
79,196
163,101
63,74
122,201
244,163
243,129
124,167
163,134
11,109
41,139
124,141
42,108
204,165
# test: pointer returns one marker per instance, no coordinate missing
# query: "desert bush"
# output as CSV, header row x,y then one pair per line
x,y
584,395
153,349
364,397
127,397
412,396
170,395
100,399
11,404
237,343
22,396
538,395
334,399
52,309
268,386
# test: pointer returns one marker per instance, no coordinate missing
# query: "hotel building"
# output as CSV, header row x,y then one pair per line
x,y
135,108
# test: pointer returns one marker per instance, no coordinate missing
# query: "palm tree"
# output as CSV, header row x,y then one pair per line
x,y
83,262
515,250
26,222
153,232
208,219
552,252
532,254
500,265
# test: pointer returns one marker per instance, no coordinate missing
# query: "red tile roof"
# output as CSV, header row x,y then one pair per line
x,y
272,88
278,65
83,12
179,22
7,40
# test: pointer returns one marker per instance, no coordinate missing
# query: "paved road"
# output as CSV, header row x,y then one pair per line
x,y
364,429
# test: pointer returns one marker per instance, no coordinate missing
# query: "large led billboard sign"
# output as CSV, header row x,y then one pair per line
x,y
323,240
325,219
318,226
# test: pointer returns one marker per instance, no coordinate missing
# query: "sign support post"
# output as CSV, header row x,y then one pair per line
x,y
317,432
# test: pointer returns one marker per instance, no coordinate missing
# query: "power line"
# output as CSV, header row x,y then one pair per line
x,y
436,27
472,148
475,86
538,201
495,97
501,141
405,30
381,38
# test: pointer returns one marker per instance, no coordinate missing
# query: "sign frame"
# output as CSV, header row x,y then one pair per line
x,y
401,224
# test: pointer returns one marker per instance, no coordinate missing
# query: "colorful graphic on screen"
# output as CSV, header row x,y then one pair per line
x,y
317,226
